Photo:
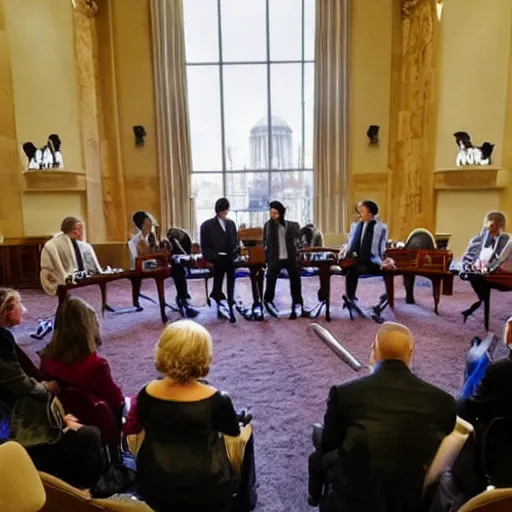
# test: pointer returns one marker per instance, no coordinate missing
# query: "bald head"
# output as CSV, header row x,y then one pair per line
x,y
393,341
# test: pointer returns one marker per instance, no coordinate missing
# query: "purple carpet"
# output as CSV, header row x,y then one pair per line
x,y
279,370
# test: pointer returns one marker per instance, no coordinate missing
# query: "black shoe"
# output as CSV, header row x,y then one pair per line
x,y
313,502
257,312
223,310
468,312
43,328
185,308
296,312
271,308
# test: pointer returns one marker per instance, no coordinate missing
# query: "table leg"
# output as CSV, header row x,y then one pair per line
x,y
160,286
448,285
389,280
487,306
136,285
436,287
104,305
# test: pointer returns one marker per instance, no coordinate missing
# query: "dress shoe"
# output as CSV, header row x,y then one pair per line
x,y
271,308
43,328
468,312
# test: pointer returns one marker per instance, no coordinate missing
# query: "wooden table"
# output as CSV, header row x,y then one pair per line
x,y
499,280
135,277
433,264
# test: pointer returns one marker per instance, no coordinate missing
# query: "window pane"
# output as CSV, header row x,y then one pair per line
x,y
245,102
285,29
309,29
295,190
201,30
204,114
244,33
309,113
206,188
285,93
248,194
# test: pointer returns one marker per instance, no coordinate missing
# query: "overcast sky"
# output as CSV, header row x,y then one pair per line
x,y
245,86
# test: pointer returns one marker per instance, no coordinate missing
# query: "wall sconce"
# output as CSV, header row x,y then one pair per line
x,y
439,8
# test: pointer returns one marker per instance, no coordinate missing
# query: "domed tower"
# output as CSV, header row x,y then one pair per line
x,y
282,136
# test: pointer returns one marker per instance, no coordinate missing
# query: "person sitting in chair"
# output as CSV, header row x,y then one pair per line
x,y
366,246
280,239
482,254
380,432
146,242
219,245
311,236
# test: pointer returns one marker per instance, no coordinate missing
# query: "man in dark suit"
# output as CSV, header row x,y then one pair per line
x,y
219,246
381,432
280,240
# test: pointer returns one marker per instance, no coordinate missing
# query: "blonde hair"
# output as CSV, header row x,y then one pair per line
x,y
77,332
184,351
9,297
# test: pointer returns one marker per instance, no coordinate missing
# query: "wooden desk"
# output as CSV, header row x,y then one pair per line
x,y
20,262
433,264
101,280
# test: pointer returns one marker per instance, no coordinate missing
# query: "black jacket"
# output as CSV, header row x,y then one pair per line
x,y
271,240
387,427
214,239
493,397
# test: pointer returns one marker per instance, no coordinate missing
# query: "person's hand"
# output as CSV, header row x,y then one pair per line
x,y
388,264
71,422
51,386
244,418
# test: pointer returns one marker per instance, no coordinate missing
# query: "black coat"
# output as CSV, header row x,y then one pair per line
x,y
271,240
214,239
387,427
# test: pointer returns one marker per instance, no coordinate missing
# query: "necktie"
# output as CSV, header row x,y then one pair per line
x,y
78,254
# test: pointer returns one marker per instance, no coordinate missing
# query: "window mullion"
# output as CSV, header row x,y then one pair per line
x,y
221,91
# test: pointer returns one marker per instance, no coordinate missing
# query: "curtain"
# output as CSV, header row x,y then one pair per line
x,y
330,145
173,137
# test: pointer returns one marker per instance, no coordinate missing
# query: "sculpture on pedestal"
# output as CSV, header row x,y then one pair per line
x,y
47,157
469,154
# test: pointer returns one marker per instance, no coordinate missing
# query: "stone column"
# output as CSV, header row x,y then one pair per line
x,y
413,126
86,48
11,221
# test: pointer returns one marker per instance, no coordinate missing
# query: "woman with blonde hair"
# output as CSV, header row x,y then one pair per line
x,y
69,451
183,462
71,357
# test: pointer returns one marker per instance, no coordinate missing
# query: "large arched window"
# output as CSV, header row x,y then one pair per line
x,y
250,73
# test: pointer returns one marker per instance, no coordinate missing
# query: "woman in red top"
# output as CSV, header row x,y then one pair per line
x,y
71,357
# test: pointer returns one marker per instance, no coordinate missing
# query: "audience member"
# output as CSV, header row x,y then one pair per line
x,y
381,432
183,462
72,453
71,357
492,399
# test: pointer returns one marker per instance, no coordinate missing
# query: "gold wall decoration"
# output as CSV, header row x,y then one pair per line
x,y
88,8
408,7
413,126
86,49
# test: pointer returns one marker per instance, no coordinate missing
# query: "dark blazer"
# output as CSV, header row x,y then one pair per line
x,y
271,240
214,239
477,243
493,397
387,427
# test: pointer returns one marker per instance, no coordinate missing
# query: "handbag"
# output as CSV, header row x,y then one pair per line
x,y
37,420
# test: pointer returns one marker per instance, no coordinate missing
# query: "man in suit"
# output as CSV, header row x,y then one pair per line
x,y
482,255
146,242
280,240
381,432
219,246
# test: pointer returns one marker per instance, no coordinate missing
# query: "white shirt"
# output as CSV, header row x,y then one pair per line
x,y
363,232
222,223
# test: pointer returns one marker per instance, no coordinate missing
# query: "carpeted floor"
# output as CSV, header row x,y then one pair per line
x,y
278,369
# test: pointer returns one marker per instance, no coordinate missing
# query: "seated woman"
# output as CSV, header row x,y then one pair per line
x,y
482,253
183,461
71,356
366,246
74,453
